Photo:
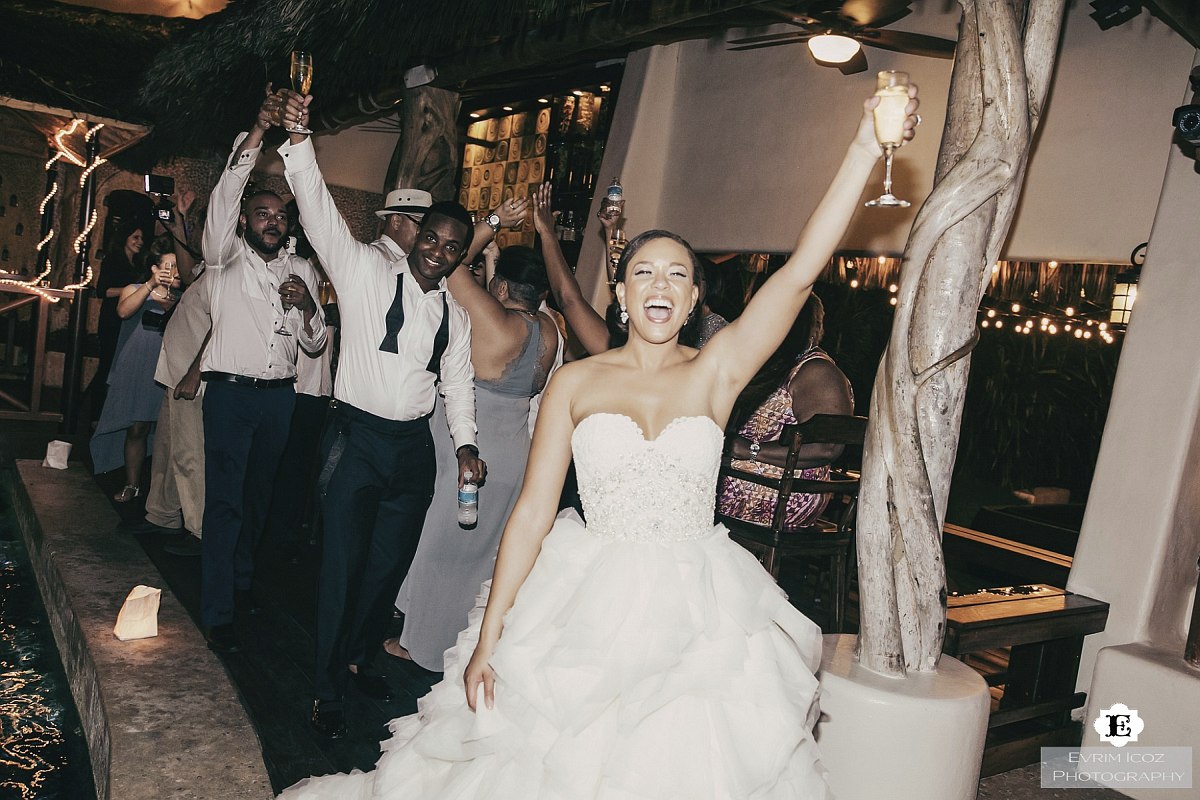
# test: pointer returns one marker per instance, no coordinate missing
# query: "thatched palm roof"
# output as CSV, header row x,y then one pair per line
x,y
87,60
213,78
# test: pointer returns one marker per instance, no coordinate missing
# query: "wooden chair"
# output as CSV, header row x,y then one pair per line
x,y
832,535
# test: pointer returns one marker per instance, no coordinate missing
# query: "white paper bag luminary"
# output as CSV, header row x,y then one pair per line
x,y
138,618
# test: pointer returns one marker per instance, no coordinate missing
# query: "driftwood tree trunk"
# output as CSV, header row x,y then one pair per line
x,y
426,157
1001,75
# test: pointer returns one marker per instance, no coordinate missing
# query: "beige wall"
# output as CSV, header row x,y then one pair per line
x,y
356,158
755,136
1141,533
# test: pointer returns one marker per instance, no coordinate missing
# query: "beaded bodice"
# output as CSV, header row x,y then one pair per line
x,y
651,490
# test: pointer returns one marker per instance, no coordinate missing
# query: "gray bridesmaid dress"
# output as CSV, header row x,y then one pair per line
x,y
451,563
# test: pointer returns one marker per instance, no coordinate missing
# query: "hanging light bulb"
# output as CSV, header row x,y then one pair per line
x,y
832,48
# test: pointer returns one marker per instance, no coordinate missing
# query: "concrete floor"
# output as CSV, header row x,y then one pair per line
x,y
1017,785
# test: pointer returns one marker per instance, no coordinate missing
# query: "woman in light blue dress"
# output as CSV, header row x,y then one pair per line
x,y
132,403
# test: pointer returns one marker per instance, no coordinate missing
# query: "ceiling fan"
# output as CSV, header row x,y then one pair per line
x,y
836,29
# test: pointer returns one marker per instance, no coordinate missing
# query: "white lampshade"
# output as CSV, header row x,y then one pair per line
x,y
834,49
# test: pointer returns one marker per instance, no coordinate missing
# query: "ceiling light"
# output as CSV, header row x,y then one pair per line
x,y
832,48
543,99
508,108
475,115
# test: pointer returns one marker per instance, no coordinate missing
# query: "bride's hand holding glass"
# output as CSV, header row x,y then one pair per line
x,y
884,130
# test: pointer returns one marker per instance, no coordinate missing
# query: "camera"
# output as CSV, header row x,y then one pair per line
x,y
1186,120
161,187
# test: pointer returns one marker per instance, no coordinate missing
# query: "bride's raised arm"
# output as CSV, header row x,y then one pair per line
x,y
739,349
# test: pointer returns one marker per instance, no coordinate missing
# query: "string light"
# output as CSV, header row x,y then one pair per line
x,y
83,178
46,200
65,151
83,234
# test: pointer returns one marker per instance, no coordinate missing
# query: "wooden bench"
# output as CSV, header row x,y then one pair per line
x,y
1024,563
1044,631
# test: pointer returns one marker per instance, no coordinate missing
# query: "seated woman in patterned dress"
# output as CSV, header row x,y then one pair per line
x,y
798,381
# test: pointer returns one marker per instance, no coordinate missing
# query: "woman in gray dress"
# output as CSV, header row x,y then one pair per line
x,y
513,347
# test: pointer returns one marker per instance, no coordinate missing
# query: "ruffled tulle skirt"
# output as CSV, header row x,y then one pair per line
x,y
626,670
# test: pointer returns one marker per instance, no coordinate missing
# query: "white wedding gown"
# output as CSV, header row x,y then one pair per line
x,y
646,656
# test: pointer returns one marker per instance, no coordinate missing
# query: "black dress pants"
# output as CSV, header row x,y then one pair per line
x,y
245,430
296,479
376,484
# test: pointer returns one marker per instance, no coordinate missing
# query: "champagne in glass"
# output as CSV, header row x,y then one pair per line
x,y
302,76
892,91
616,246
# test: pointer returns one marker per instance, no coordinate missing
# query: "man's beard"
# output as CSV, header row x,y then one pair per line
x,y
256,241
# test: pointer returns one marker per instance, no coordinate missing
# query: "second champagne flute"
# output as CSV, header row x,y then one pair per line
x,y
892,91
302,77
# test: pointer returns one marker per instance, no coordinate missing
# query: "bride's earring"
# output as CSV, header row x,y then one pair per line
x,y
624,316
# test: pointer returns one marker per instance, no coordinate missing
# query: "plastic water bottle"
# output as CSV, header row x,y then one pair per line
x,y
614,199
468,501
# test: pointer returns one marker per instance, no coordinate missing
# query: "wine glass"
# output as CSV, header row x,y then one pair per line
x,y
616,246
302,76
891,88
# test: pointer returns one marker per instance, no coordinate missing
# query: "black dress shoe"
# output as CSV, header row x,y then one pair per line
x,y
184,544
328,718
371,684
222,639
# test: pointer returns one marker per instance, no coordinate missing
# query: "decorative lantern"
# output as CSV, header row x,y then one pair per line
x,y
1125,287
1124,295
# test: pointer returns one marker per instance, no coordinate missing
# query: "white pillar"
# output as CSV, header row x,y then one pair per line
x,y
914,738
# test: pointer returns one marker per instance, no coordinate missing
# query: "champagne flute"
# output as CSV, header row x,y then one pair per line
x,y
616,246
892,91
302,76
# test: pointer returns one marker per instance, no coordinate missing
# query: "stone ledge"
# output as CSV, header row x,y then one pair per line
x,y
161,717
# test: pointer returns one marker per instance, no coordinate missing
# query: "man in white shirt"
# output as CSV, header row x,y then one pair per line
x,y
260,299
403,339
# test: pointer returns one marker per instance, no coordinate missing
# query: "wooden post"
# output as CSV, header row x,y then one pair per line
x,y
1001,76
427,155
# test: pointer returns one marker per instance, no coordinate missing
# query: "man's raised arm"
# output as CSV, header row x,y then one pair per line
x,y
225,202
327,232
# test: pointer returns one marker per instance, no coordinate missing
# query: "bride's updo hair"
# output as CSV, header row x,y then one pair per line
x,y
618,332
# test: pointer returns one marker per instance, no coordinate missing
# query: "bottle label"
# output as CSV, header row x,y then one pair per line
x,y
468,494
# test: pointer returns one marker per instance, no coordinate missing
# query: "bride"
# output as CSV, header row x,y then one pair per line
x,y
645,655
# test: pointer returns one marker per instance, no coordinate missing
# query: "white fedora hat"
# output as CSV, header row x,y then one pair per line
x,y
405,201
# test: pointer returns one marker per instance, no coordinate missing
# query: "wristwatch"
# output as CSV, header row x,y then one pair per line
x,y
493,221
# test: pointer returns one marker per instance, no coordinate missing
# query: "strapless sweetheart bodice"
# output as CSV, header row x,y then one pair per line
x,y
652,490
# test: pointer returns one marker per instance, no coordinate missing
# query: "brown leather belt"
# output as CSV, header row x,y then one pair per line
x,y
246,380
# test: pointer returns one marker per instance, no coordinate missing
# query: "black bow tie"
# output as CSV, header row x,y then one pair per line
x,y
394,320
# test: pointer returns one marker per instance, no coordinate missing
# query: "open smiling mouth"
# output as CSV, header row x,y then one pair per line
x,y
659,309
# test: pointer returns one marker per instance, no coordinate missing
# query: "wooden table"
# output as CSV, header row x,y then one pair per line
x,y
1044,632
